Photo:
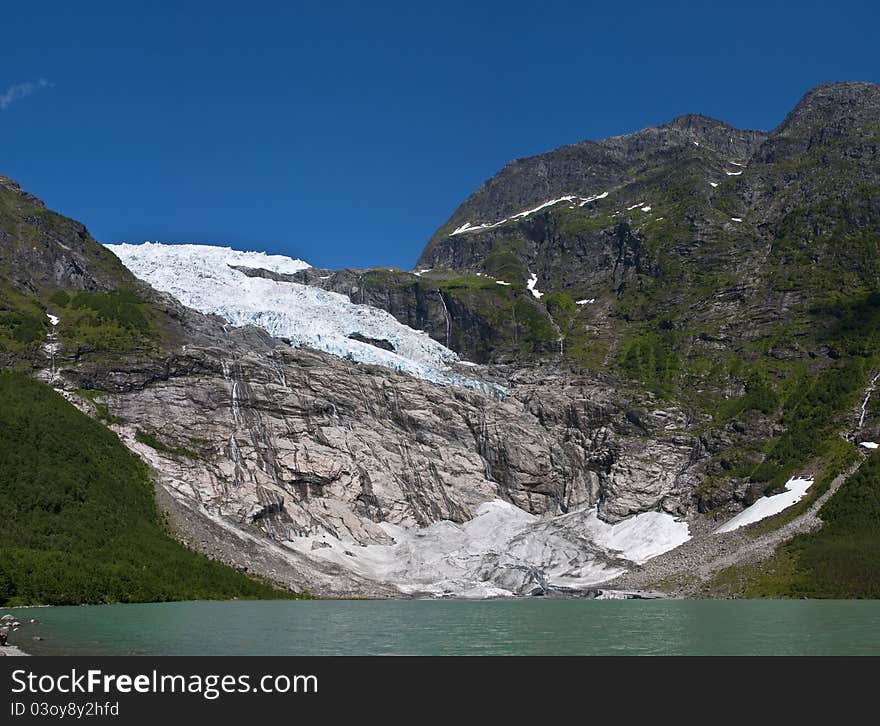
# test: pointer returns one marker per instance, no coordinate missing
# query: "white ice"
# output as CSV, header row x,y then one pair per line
x,y
475,558
593,199
467,227
528,212
202,277
795,490
641,537
533,280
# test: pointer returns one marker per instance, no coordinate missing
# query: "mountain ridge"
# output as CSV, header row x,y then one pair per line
x,y
695,338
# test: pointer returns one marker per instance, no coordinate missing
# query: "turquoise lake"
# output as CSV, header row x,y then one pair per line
x,y
450,627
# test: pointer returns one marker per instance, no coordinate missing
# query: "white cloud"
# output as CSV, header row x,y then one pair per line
x,y
17,91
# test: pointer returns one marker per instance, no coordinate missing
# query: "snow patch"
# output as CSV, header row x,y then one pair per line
x,y
640,204
533,280
713,184
733,173
869,444
735,219
53,319
593,199
641,537
646,209
543,206
501,282
468,228
590,301
795,490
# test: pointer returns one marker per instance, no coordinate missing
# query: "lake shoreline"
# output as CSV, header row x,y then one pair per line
x,y
527,626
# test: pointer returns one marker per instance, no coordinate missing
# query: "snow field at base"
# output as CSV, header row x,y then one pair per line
x,y
795,490
202,277
571,550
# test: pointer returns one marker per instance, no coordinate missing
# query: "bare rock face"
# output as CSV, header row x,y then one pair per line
x,y
277,445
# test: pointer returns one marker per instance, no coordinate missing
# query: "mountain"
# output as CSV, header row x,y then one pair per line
x,y
713,267
672,328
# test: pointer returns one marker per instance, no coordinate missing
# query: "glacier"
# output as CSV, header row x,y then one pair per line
x,y
205,278
502,552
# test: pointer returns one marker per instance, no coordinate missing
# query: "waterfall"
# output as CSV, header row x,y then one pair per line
x,y
446,313
868,393
51,346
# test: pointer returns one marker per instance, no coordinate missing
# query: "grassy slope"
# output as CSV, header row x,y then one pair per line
x,y
78,519
840,560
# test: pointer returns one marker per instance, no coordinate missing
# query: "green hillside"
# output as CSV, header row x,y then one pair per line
x,y
78,518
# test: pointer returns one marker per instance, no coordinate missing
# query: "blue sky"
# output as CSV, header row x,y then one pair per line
x,y
345,133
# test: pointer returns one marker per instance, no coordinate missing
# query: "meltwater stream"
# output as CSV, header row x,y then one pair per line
x,y
431,627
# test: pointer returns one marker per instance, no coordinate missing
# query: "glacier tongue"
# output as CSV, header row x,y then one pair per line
x,y
503,551
203,277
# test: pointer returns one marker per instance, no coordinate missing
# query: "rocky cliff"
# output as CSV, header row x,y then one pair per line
x,y
314,453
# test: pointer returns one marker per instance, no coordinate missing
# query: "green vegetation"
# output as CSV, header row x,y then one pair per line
x,y
581,348
837,456
810,419
154,443
107,322
503,264
78,519
102,411
23,323
519,324
651,358
840,559
582,220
